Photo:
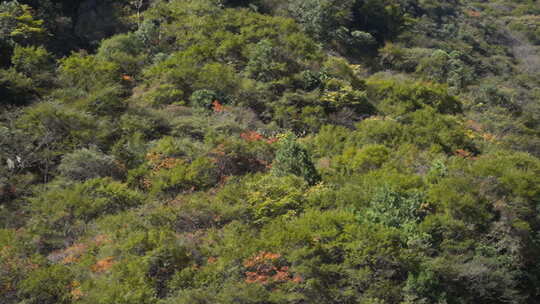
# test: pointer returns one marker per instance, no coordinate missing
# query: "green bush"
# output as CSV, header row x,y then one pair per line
x,y
18,24
164,94
339,68
378,131
35,62
397,98
204,98
15,88
339,95
59,128
492,96
48,285
302,112
61,211
529,25
446,68
87,72
419,189
329,141
106,101
189,71
15,264
327,19
125,50
427,129
197,175
127,284
360,160
85,164
401,58
264,63
293,158
395,209
270,197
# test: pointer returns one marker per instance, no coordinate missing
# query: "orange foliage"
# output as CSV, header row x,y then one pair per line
x,y
127,78
218,107
158,161
219,150
325,163
73,253
256,136
263,163
465,154
224,179
266,267
252,136
261,258
478,128
146,183
297,279
103,265
76,292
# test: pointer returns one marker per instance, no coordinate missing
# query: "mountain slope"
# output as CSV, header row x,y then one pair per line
x,y
266,151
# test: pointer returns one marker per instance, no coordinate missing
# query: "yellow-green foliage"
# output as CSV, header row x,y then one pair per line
x,y
361,160
19,23
199,174
270,197
396,98
87,72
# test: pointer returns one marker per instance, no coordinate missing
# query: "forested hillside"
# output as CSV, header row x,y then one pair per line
x,y
269,151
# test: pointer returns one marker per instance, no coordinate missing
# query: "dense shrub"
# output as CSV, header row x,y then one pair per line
x,y
87,164
368,157
200,174
204,98
16,88
59,126
397,98
62,211
164,94
87,72
106,101
275,196
126,50
429,130
264,63
293,158
48,285
35,62
18,25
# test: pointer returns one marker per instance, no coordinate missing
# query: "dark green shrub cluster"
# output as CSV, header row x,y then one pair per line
x,y
293,159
